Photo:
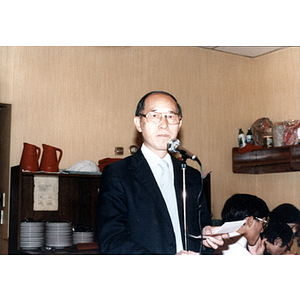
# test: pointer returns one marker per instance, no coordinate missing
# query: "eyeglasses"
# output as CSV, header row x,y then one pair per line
x,y
294,226
154,117
265,222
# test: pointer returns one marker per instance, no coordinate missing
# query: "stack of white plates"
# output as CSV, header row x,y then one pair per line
x,y
58,234
32,235
82,237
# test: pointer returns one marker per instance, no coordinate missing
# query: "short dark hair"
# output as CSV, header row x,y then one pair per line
x,y
240,206
285,213
141,105
278,230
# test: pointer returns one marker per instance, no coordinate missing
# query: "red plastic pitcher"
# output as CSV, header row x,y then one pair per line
x,y
30,157
49,161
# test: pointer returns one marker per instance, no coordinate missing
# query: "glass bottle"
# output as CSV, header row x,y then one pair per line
x,y
241,138
249,137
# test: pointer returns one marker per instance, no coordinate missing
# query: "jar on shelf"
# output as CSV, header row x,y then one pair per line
x,y
277,133
268,137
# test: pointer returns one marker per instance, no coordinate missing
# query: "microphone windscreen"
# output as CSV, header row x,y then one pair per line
x,y
173,144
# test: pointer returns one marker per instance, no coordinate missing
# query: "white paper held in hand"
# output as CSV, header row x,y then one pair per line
x,y
227,227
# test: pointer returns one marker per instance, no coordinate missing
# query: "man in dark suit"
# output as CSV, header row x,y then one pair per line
x,y
133,215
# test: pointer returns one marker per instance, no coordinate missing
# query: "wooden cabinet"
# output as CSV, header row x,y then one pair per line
x,y
272,160
77,202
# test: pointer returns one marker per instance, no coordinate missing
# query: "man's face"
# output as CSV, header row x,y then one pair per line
x,y
254,230
157,136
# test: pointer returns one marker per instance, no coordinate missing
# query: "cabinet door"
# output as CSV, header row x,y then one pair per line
x,y
5,124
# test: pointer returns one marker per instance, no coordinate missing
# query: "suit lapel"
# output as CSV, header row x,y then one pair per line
x,y
145,177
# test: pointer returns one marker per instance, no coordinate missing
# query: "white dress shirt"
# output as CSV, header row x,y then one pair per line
x,y
235,245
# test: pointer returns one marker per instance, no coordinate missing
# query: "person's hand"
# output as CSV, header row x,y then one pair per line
x,y
214,241
258,248
184,252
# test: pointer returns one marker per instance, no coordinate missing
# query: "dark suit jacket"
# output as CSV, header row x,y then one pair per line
x,y
132,214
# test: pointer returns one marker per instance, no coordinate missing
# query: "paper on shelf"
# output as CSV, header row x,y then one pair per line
x,y
45,195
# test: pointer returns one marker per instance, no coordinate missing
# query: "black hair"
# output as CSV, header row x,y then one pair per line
x,y
285,213
278,230
240,206
141,105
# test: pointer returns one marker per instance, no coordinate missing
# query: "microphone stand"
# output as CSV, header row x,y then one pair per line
x,y
183,168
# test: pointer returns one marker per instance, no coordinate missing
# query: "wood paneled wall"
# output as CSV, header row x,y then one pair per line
x,y
82,100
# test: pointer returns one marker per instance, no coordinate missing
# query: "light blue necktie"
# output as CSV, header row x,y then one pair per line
x,y
168,191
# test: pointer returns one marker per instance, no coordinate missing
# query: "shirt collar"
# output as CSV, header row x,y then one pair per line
x,y
154,159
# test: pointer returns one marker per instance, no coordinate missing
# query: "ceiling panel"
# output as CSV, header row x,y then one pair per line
x,y
251,51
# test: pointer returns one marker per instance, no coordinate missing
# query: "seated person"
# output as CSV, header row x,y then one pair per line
x,y
289,214
279,239
255,213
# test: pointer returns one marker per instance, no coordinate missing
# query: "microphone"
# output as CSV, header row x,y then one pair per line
x,y
174,145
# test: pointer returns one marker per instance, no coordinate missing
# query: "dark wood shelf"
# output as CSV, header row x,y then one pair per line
x,y
77,202
272,160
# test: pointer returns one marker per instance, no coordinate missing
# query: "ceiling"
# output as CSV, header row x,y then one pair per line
x,y
251,51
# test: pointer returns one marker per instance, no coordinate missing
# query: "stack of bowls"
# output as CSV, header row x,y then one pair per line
x,y
58,234
32,235
82,237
